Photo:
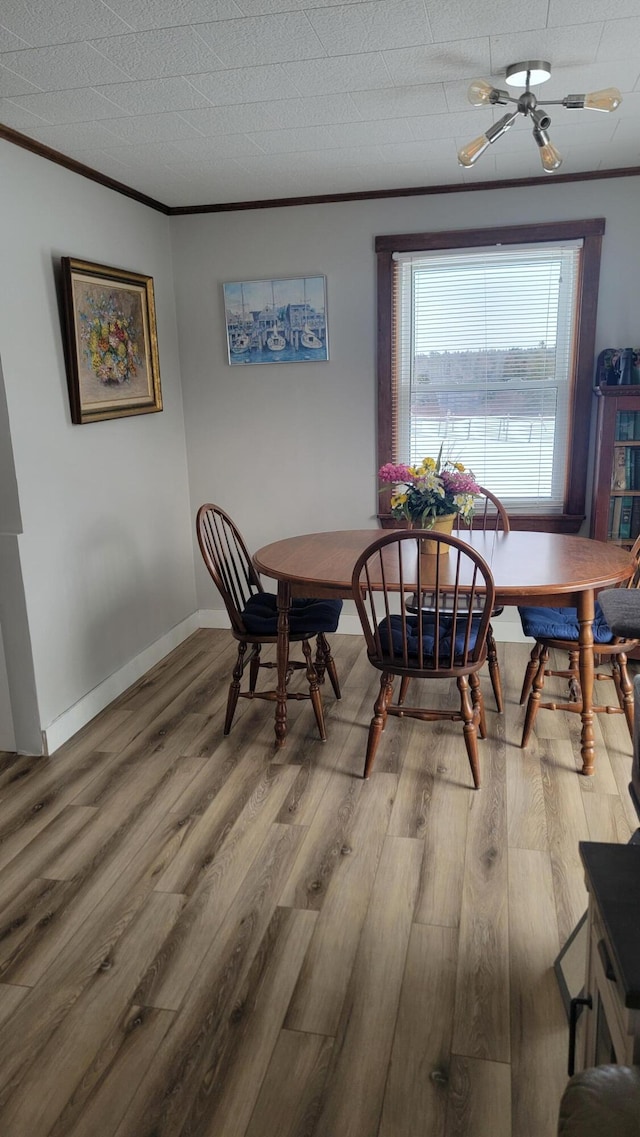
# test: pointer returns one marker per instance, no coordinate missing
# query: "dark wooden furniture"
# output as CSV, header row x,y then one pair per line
x,y
446,640
615,510
490,514
544,568
610,1019
615,653
253,616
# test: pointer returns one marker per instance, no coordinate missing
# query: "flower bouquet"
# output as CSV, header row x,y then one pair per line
x,y
109,337
431,490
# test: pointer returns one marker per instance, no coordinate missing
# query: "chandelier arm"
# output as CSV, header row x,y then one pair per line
x,y
501,126
501,97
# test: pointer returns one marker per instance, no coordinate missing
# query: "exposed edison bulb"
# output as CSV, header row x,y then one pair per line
x,y
550,157
479,93
470,153
608,99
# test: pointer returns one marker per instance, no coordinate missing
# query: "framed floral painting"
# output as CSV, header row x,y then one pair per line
x,y
111,342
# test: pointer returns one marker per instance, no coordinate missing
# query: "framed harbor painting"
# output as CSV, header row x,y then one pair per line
x,y
276,321
110,340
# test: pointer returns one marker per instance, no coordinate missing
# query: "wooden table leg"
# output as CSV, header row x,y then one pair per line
x,y
282,655
586,613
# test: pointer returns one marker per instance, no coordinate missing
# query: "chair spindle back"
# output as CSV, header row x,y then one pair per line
x,y
445,634
228,561
489,513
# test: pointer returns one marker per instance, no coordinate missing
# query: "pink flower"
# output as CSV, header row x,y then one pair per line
x,y
391,473
455,482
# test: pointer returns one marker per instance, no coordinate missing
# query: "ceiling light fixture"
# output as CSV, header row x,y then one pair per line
x,y
528,74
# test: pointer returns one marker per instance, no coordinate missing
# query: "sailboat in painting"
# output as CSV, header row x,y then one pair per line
x,y
275,340
309,338
241,341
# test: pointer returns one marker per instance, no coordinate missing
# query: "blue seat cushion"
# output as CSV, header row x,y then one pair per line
x,y
562,624
428,639
306,617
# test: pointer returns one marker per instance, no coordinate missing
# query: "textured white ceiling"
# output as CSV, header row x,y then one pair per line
x,y
196,102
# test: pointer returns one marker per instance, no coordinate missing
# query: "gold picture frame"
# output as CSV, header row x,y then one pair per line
x,y
111,342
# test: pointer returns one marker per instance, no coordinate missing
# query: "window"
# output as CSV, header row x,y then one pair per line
x,y
486,347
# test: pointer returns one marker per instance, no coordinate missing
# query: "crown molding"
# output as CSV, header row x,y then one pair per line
x,y
42,151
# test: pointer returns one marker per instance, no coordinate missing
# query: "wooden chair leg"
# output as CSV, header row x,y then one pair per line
x,y
532,667
404,687
328,663
254,667
314,689
575,692
378,721
470,730
477,699
494,669
234,688
320,664
626,690
615,675
533,704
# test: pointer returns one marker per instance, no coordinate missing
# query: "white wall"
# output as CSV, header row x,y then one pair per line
x,y
291,448
10,526
105,553
7,732
100,581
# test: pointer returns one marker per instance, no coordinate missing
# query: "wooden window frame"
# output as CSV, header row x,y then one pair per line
x,y
590,231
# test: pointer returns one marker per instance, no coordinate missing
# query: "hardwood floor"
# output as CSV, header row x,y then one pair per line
x,y
206,937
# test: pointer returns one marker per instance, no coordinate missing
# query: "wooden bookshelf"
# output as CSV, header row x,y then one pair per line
x,y
615,509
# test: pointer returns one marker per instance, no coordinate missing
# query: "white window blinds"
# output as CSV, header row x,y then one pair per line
x,y
483,345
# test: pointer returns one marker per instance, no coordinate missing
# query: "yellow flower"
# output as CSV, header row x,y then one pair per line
x,y
398,499
428,464
459,467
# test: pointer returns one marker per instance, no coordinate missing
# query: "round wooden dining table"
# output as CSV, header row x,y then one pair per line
x,y
538,569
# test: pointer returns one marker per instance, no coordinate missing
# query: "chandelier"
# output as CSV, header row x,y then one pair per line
x,y
528,74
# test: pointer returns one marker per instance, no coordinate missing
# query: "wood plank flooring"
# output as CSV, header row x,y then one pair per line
x,y
207,937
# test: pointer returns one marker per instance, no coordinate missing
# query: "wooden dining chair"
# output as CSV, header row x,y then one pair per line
x,y
489,514
558,629
253,614
444,641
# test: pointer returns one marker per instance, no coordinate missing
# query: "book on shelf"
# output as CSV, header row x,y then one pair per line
x,y
625,426
635,518
615,518
624,531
